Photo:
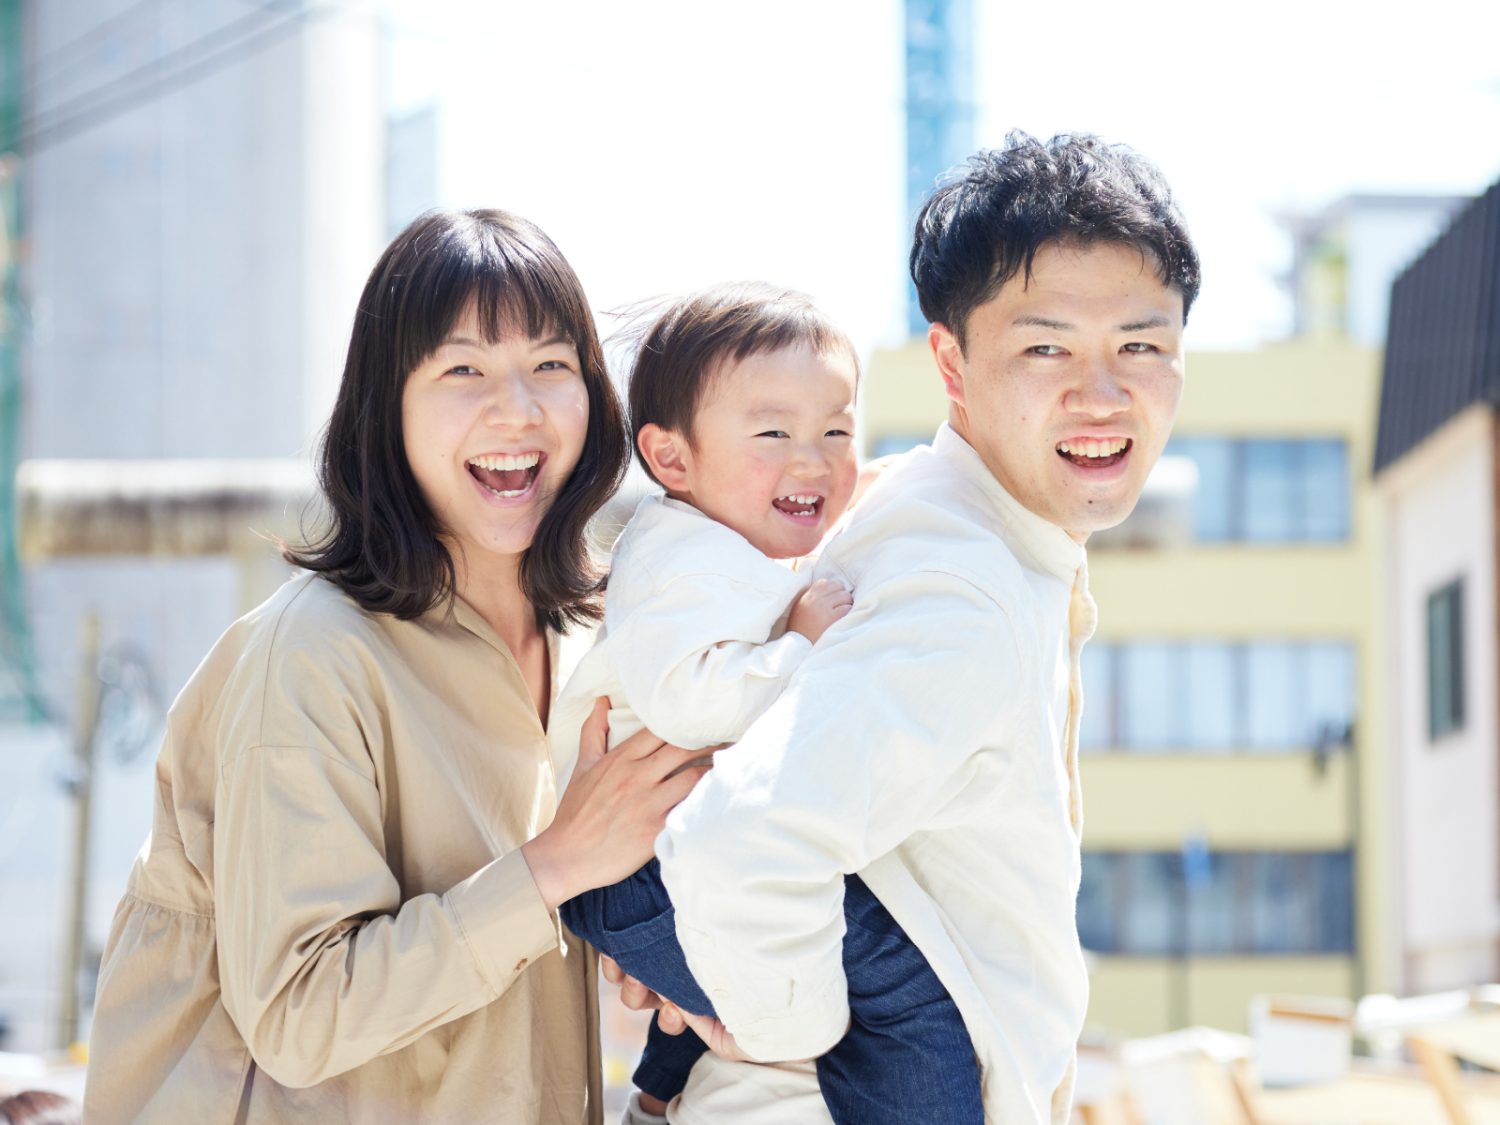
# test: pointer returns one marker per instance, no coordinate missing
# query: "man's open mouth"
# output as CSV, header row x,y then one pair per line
x,y
507,475
1090,454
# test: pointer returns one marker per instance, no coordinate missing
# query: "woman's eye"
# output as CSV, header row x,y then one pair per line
x,y
553,365
463,369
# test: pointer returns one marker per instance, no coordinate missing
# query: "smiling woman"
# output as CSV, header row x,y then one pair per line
x,y
347,907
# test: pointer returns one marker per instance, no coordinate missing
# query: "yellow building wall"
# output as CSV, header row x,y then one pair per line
x,y
1232,591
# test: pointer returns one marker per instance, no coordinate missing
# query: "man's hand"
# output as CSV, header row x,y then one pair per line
x,y
670,1018
633,994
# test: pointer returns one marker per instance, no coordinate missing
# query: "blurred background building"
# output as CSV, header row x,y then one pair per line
x,y
1292,749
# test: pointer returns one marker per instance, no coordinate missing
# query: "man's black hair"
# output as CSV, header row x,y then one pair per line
x,y
985,225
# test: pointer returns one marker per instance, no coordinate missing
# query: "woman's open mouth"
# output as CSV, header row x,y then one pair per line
x,y
506,475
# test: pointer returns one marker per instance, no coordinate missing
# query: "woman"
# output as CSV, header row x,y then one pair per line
x,y
346,910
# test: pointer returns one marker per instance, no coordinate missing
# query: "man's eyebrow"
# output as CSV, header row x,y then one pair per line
x,y
1156,321
1031,320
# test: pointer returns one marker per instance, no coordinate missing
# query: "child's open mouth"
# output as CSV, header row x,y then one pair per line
x,y
802,505
507,475
1090,454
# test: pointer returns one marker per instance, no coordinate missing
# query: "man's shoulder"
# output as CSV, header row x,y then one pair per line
x,y
923,517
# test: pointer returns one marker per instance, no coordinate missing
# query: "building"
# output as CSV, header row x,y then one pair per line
x,y
200,202
1345,256
1232,731
1437,471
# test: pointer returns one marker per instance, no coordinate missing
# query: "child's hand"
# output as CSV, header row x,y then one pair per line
x,y
818,607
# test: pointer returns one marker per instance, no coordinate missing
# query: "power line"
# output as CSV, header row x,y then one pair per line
x,y
198,59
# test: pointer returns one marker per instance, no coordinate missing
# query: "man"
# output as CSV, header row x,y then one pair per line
x,y
929,742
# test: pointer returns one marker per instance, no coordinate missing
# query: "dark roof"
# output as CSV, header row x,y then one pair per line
x,y
1442,352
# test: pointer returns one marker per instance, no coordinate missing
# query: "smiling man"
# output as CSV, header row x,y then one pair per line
x,y
929,742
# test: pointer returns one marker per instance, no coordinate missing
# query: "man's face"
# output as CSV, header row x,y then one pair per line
x,y
1070,381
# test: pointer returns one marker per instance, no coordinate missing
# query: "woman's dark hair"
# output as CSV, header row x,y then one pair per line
x,y
687,346
382,545
981,228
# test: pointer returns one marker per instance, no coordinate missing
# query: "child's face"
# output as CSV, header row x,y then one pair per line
x,y
772,454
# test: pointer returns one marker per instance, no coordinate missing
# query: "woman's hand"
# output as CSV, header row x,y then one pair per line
x,y
612,810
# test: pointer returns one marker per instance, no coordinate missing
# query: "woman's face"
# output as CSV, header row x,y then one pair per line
x,y
492,432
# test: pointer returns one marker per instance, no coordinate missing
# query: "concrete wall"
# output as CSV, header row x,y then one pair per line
x,y
1441,526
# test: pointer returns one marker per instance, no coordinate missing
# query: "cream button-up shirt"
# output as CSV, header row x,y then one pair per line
x,y
929,743
331,920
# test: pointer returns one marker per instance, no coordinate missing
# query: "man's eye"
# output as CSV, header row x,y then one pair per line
x,y
1044,349
1139,348
772,433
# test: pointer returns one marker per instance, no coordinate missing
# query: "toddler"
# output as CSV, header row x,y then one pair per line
x,y
742,407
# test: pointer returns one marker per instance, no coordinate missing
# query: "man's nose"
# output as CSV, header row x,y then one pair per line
x,y
1100,391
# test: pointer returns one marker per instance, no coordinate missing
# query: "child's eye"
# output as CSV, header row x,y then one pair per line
x,y
838,433
772,433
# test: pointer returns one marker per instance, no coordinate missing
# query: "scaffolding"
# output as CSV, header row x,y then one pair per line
x,y
19,697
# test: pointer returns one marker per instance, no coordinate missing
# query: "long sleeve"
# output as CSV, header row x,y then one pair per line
x,y
876,738
695,659
322,966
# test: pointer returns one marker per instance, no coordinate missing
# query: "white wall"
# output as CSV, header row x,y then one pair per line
x,y
1440,526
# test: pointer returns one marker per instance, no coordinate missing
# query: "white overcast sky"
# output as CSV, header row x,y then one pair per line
x,y
667,144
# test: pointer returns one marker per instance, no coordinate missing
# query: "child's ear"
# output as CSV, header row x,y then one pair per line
x,y
668,454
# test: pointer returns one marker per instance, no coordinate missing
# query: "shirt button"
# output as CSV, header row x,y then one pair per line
x,y
521,964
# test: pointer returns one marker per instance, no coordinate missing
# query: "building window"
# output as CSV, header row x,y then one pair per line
x,y
1445,660
1268,491
1159,904
1217,696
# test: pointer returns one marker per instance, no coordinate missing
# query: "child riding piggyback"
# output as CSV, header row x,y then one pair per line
x,y
742,409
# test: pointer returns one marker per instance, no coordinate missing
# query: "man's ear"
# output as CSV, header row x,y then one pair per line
x,y
949,355
668,454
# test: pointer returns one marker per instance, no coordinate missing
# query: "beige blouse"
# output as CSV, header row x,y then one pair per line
x,y
331,920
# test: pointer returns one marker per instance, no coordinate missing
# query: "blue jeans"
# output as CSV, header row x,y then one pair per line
x,y
906,1057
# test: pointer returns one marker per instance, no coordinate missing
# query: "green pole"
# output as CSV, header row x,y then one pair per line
x,y
16,662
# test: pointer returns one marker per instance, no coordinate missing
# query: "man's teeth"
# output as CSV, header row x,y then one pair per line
x,y
506,462
1091,448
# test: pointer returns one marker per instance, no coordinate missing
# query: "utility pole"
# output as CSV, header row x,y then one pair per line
x,y
85,737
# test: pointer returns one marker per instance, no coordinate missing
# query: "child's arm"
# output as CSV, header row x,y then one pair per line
x,y
695,661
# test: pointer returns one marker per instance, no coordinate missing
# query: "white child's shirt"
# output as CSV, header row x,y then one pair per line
x,y
693,645
929,743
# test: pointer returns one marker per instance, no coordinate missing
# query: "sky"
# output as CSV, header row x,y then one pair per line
x,y
667,144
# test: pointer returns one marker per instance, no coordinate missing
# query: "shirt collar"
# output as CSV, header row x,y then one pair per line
x,y
1045,546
